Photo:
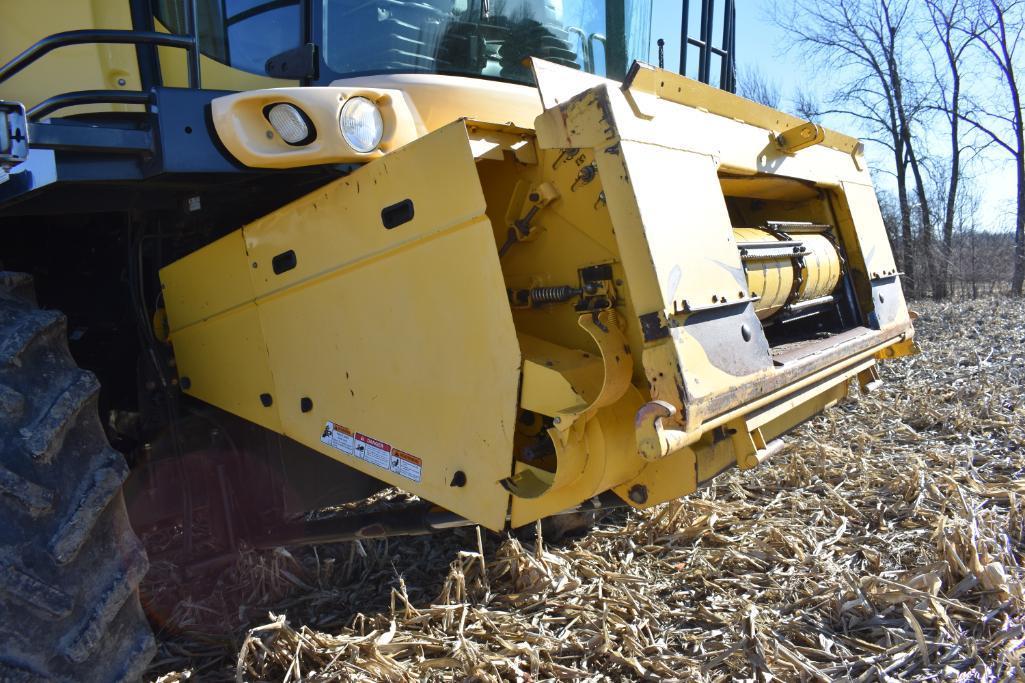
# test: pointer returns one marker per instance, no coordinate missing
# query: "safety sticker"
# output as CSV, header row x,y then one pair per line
x,y
406,465
338,437
373,451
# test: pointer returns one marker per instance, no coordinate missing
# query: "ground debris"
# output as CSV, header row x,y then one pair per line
x,y
884,543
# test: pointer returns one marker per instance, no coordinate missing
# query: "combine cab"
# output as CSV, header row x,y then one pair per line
x,y
484,254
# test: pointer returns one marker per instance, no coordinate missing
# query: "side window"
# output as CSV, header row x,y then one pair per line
x,y
241,33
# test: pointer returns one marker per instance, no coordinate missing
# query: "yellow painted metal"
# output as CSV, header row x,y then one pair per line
x,y
603,453
673,87
246,132
568,311
570,385
411,105
869,232
800,137
771,279
94,66
394,334
820,270
79,67
783,276
441,99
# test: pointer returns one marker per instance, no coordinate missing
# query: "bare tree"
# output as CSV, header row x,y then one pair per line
x,y
753,84
890,211
807,107
997,34
950,24
862,42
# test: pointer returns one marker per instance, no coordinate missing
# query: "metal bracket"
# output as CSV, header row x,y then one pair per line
x,y
688,307
795,139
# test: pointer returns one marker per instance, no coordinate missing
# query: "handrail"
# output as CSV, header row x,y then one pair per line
x,y
105,36
71,99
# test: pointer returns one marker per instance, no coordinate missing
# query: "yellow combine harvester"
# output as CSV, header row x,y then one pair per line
x,y
480,252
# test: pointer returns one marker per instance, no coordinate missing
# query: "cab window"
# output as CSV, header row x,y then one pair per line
x,y
243,34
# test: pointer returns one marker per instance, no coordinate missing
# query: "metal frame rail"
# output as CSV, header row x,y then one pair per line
x,y
189,43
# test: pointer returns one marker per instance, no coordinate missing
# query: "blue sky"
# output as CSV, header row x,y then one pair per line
x,y
762,44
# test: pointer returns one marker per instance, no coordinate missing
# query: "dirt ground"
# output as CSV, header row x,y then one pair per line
x,y
885,543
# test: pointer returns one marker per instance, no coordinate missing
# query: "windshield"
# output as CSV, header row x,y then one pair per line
x,y
489,38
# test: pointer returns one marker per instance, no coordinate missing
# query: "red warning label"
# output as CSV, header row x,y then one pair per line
x,y
373,451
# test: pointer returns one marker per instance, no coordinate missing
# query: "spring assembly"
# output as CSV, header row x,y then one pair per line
x,y
553,295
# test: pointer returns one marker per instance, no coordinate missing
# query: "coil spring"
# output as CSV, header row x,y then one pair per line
x,y
553,295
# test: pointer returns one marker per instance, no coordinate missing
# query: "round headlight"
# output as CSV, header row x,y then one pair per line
x,y
290,123
361,124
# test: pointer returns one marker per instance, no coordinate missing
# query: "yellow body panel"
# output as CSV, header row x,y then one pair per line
x,y
438,100
570,309
246,133
393,334
78,67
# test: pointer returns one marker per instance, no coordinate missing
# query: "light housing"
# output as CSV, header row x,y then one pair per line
x,y
361,124
291,123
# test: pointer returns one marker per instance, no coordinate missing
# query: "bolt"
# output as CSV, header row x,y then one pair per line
x,y
639,494
745,332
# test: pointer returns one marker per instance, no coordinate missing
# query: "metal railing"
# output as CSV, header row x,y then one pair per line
x,y
705,43
189,43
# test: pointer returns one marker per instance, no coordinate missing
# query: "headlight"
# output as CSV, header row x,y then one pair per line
x,y
290,123
361,124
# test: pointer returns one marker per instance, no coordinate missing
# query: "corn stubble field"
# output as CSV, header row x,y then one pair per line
x,y
885,543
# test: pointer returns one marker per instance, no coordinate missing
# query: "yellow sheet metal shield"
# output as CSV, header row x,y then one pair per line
x,y
617,276
399,338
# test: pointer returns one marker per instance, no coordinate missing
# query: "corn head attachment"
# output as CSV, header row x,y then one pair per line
x,y
651,286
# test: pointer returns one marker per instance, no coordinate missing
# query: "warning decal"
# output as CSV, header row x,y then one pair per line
x,y
372,451
406,465
338,437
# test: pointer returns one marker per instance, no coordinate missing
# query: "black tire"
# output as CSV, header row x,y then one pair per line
x,y
70,564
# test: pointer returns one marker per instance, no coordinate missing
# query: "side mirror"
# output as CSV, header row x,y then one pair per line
x,y
298,64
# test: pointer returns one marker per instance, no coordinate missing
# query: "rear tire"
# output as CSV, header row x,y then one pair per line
x,y
70,564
